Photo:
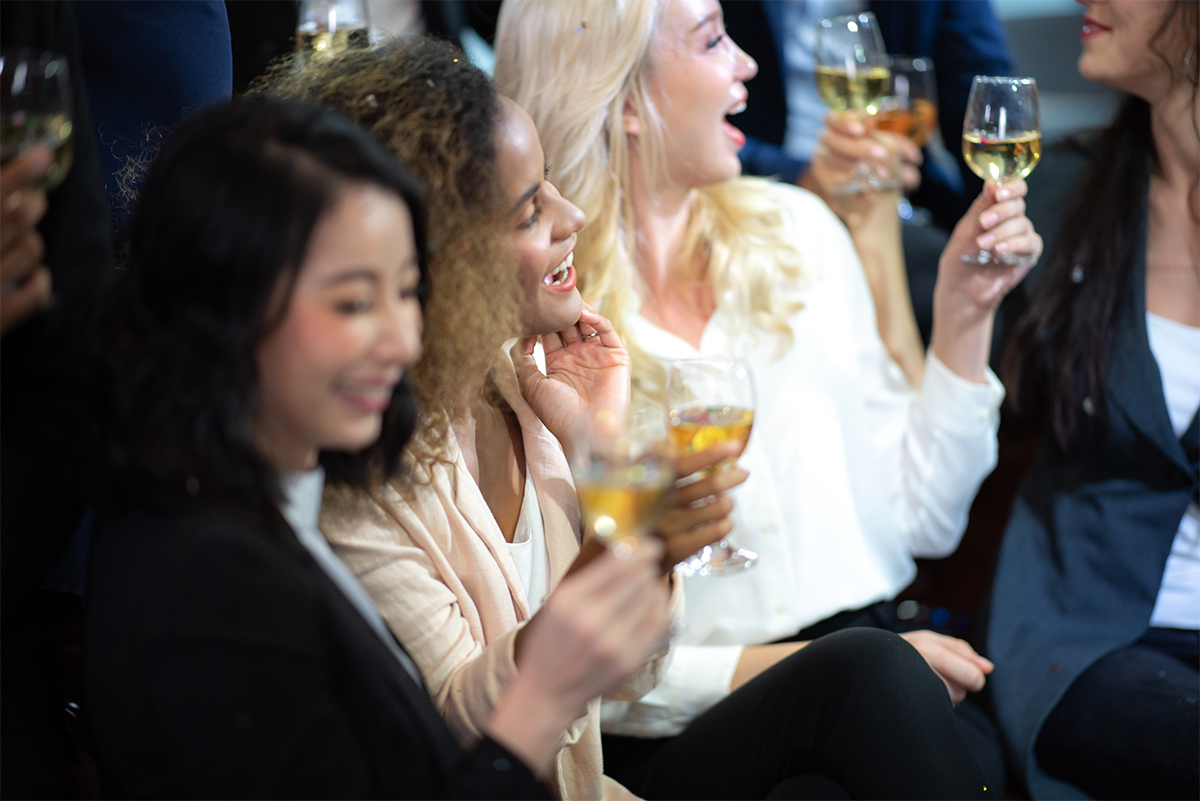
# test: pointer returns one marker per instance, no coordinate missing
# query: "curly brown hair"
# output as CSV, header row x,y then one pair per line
x,y
437,113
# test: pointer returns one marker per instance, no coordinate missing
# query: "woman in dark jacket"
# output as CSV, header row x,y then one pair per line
x,y
256,347
1096,603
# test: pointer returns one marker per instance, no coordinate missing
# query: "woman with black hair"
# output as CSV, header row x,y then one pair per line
x,y
1095,610
256,346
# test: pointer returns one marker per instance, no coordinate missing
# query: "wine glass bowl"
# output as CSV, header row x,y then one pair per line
x,y
852,76
35,109
710,401
328,27
1002,138
622,469
910,108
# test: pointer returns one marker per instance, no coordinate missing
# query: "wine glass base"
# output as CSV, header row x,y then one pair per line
x,y
721,559
990,257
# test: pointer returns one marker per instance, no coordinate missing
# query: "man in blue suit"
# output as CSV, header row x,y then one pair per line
x,y
963,37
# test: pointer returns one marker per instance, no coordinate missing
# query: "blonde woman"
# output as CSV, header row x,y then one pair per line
x,y
853,471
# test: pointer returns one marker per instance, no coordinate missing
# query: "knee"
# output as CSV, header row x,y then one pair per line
x,y
875,662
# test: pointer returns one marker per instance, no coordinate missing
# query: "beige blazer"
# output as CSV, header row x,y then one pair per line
x,y
438,568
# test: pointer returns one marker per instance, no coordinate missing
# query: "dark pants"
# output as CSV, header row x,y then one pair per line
x,y
858,711
1128,726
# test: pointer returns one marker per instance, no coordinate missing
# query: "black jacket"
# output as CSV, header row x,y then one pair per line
x,y
220,661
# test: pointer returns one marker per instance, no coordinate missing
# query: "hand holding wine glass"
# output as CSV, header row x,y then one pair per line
x,y
1002,140
711,401
852,77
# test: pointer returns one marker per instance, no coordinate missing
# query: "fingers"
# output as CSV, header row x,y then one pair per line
x,y
20,213
908,150
20,303
602,326
685,518
721,481
960,668
25,171
845,124
690,463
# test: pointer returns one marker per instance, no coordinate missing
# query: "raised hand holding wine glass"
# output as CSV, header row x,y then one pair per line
x,y
1002,140
711,401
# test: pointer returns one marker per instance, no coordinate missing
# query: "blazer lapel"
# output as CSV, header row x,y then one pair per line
x,y
1134,381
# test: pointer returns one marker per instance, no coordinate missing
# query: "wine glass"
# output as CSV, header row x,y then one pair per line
x,y
327,27
910,109
709,401
35,109
852,76
622,467
1002,139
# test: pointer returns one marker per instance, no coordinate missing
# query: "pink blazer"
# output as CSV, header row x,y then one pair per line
x,y
438,568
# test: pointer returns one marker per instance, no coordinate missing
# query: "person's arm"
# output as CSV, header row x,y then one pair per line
x,y
24,279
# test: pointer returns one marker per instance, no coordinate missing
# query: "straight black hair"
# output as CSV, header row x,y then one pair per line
x,y
224,219
1058,353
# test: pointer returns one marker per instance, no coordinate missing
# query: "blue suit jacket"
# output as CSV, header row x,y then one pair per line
x,y
1084,552
964,39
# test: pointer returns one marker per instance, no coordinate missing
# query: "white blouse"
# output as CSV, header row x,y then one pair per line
x,y
1176,348
528,548
853,472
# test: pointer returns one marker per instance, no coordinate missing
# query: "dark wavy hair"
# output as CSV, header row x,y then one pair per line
x,y
437,112
224,219
1061,344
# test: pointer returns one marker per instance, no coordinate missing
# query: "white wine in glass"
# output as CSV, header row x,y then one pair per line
x,y
622,470
1002,139
35,109
328,27
710,401
852,76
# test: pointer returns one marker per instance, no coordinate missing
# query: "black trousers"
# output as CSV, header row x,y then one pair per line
x,y
1129,727
857,711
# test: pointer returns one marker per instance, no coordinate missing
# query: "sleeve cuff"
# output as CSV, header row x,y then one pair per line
x,y
958,406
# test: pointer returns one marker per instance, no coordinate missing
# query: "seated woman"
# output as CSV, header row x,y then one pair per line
x,y
257,344
461,558
1095,609
853,471
459,532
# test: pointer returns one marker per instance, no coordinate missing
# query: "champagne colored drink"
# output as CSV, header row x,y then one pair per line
x,y
852,76
1002,159
35,109
859,91
327,27
698,428
317,44
622,503
1002,139
916,123
710,401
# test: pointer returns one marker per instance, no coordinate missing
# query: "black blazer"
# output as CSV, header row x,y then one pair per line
x,y
1083,554
220,661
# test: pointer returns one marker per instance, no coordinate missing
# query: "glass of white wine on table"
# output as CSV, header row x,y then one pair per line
x,y
1002,139
710,401
852,77
622,468
35,109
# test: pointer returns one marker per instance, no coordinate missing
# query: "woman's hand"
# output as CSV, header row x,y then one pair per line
x,y
587,370
847,144
24,280
598,627
966,295
698,511
955,661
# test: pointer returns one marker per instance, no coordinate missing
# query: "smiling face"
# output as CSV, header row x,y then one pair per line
x,y
698,78
353,324
541,226
1119,47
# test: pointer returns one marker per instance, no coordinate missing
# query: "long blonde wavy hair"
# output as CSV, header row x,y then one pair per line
x,y
575,65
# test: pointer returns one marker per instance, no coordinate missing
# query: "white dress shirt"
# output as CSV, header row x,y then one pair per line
x,y
852,472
